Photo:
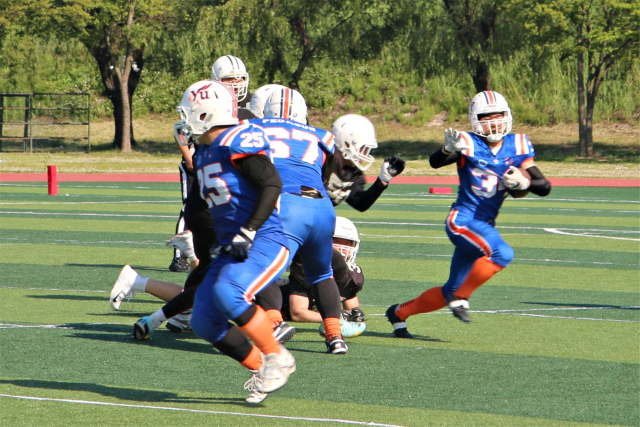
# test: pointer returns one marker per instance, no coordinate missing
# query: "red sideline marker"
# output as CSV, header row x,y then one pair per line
x,y
52,178
440,190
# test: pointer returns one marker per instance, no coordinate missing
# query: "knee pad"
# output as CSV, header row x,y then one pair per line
x,y
502,255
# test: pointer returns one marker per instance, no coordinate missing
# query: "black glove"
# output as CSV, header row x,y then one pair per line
x,y
391,167
239,247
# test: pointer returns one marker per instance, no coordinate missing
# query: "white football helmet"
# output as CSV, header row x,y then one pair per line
x,y
204,105
286,104
488,102
355,138
259,98
232,67
346,229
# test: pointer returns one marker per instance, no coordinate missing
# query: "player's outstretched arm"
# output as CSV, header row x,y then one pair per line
x,y
258,170
539,185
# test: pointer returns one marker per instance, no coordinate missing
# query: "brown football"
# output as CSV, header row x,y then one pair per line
x,y
518,194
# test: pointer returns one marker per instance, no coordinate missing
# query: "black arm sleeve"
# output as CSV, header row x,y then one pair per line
x,y
539,185
440,159
259,171
364,199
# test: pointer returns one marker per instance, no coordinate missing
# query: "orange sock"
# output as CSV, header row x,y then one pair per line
x,y
430,300
275,317
331,327
253,360
259,331
481,271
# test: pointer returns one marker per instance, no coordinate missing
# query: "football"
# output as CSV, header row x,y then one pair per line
x,y
518,194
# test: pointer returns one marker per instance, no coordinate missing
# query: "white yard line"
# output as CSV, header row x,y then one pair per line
x,y
88,203
89,214
527,312
200,411
564,233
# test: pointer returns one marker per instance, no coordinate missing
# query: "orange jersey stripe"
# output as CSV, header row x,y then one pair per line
x,y
474,238
268,275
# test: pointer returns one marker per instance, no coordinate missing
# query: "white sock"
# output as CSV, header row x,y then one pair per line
x,y
157,318
140,283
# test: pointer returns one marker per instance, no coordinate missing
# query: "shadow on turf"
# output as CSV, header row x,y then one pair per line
x,y
553,304
370,334
135,395
119,267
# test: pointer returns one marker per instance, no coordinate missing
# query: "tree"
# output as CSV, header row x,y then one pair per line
x,y
596,33
462,34
116,34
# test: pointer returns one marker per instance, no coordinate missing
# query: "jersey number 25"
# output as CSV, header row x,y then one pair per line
x,y
219,193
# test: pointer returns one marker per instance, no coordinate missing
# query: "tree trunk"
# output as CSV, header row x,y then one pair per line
x,y
582,115
307,52
119,96
481,77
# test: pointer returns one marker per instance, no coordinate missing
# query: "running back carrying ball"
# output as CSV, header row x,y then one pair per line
x,y
518,194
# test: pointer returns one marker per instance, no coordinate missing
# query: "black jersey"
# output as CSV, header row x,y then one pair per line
x,y
349,278
346,182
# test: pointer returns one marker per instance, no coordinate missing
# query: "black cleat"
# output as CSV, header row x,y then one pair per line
x,y
399,326
357,315
179,265
459,308
336,345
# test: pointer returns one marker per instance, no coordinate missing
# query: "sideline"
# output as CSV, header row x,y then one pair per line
x,y
424,180
200,411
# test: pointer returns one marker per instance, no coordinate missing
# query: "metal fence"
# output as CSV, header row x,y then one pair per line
x,y
45,122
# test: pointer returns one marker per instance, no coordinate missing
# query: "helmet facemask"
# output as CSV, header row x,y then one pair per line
x,y
498,128
347,248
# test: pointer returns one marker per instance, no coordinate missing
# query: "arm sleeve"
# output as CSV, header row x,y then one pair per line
x,y
440,158
539,185
259,171
362,200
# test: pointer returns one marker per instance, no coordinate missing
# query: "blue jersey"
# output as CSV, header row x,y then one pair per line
x,y
230,196
481,193
299,151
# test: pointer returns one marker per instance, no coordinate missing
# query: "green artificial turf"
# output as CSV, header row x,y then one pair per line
x,y
554,339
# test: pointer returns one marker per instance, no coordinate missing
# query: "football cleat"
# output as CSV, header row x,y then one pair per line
x,y
283,332
347,329
276,370
255,395
180,322
122,288
460,308
179,265
399,326
357,315
143,328
336,345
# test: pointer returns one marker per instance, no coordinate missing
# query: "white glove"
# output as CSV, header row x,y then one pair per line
x,y
453,141
514,180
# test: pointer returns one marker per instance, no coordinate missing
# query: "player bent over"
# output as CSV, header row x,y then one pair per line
x,y
241,187
489,161
298,295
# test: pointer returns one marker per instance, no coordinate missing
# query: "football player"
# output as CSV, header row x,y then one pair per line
x,y
299,298
343,173
307,214
241,186
489,160
232,71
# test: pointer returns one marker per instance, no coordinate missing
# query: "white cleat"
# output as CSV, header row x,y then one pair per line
x,y
255,395
276,370
122,288
183,241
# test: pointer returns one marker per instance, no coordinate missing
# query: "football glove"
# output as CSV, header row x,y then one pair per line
x,y
453,141
514,180
338,190
392,166
241,243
